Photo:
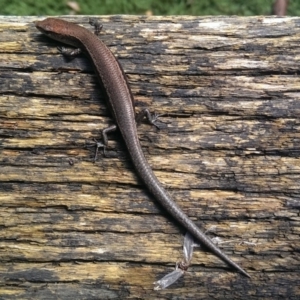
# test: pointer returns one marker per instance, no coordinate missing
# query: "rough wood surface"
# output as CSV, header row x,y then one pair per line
x,y
228,151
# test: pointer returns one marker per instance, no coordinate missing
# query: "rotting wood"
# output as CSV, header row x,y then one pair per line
x,y
228,151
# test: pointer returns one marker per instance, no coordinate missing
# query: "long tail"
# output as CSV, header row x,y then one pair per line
x,y
145,172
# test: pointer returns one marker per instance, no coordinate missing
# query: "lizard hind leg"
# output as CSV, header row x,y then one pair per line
x,y
151,117
103,144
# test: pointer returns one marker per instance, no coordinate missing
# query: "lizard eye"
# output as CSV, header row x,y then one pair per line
x,y
47,29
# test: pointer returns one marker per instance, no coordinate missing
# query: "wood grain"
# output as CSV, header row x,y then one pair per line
x,y
228,151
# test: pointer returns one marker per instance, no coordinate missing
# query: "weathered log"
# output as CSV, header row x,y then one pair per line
x,y
228,151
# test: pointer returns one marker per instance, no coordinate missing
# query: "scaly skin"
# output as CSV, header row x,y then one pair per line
x,y
121,104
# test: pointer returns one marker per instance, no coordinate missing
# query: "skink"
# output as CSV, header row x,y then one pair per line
x,y
121,104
